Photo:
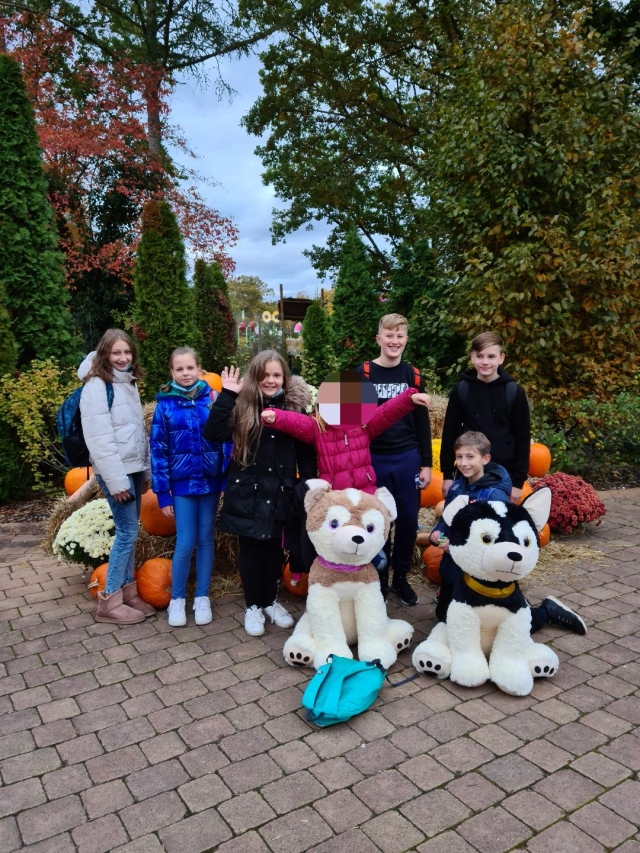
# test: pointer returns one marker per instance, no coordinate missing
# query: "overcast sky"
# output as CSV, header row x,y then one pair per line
x,y
212,129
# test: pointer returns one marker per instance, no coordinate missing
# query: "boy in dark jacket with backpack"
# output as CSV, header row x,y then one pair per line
x,y
488,400
401,455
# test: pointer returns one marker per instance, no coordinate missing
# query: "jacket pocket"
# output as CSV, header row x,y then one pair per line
x,y
125,440
240,500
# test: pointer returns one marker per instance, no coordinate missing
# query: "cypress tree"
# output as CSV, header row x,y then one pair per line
x,y
163,312
32,270
8,347
318,358
214,320
356,306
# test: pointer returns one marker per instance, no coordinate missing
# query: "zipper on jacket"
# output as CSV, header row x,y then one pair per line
x,y
346,440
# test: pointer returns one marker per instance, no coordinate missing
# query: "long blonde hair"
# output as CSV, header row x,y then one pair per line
x,y
247,425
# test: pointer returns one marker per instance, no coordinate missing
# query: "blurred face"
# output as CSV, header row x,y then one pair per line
x,y
120,356
184,370
392,343
470,462
272,380
487,362
346,399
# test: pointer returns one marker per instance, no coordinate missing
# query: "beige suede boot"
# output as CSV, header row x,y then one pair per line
x,y
131,598
112,609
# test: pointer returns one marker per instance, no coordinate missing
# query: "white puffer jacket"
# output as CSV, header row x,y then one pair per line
x,y
117,440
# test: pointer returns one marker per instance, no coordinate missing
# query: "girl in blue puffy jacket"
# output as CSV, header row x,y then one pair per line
x,y
187,476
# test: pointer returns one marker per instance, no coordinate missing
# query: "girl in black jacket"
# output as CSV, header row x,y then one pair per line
x,y
261,477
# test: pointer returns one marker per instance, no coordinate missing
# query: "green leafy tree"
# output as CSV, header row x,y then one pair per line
x,y
356,306
535,194
318,358
213,317
163,301
8,346
250,294
32,272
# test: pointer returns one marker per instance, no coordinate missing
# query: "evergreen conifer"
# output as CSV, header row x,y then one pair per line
x,y
32,271
318,358
214,320
356,306
163,302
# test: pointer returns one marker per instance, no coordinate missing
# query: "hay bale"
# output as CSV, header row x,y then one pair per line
x,y
437,410
147,412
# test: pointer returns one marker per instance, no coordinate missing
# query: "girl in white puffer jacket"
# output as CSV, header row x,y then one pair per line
x,y
119,451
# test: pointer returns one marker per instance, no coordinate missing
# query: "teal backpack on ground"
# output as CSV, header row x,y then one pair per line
x,y
342,688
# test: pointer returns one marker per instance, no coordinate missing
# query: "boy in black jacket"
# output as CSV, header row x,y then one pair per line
x,y
402,453
488,400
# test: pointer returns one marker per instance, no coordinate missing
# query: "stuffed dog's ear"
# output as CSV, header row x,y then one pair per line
x,y
454,508
384,496
317,488
538,505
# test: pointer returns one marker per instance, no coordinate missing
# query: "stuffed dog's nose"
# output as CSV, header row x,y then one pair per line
x,y
515,556
357,539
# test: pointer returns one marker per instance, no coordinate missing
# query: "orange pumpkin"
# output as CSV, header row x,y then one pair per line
x,y
439,508
545,535
432,495
153,519
301,588
98,580
432,557
526,491
75,478
154,581
539,460
213,380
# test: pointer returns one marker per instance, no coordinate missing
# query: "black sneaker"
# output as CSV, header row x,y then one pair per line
x,y
403,590
561,615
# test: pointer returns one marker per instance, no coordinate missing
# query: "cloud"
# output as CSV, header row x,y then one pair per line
x,y
212,128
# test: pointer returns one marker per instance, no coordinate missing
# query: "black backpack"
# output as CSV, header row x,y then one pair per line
x,y
69,424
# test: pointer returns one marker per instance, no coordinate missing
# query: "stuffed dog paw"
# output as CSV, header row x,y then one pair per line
x,y
344,603
487,632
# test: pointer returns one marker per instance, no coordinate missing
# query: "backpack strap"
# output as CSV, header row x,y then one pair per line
x,y
417,378
366,370
109,387
511,392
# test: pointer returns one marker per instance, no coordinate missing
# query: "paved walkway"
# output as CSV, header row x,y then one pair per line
x,y
145,739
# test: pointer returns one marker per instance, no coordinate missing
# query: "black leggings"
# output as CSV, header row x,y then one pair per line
x,y
260,565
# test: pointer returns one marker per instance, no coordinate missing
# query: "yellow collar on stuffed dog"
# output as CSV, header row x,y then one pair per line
x,y
489,591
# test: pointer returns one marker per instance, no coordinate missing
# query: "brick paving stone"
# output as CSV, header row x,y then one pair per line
x,y
28,698
475,791
511,772
142,706
435,812
31,764
53,733
296,831
245,744
612,686
601,769
392,833
606,723
153,814
175,694
496,738
437,698
294,756
577,738
16,721
250,842
155,780
209,704
16,744
246,691
603,824
141,684
66,780
462,755
625,750
80,749
100,835
208,730
44,675
563,837
246,716
114,765
204,759
627,709
371,725
168,718
385,791
282,702
204,793
9,835
51,819
425,772
125,734
246,812
343,811
558,712
61,709
329,744
405,712
250,773
102,697
532,809
447,726
21,796
105,799
494,831
568,789
375,756
447,842
527,725
413,741
336,773
545,755
625,801
287,728
293,791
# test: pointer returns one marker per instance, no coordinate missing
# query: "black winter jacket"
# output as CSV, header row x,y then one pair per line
x,y
485,409
258,498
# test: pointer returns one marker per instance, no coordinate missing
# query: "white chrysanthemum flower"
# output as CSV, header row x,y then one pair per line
x,y
87,536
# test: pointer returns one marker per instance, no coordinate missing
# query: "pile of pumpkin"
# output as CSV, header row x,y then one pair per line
x,y
539,465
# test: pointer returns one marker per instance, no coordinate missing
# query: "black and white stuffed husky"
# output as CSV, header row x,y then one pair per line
x,y
487,632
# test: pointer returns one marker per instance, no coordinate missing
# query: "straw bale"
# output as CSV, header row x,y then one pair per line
x,y
437,409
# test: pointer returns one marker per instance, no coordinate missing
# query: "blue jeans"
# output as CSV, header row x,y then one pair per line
x,y
125,517
195,519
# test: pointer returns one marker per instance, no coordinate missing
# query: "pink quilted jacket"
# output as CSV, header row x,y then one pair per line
x,y
344,458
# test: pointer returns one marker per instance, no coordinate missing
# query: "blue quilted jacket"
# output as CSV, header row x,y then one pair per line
x,y
183,462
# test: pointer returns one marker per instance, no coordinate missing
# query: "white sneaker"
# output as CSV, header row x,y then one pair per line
x,y
254,621
279,615
177,615
202,609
